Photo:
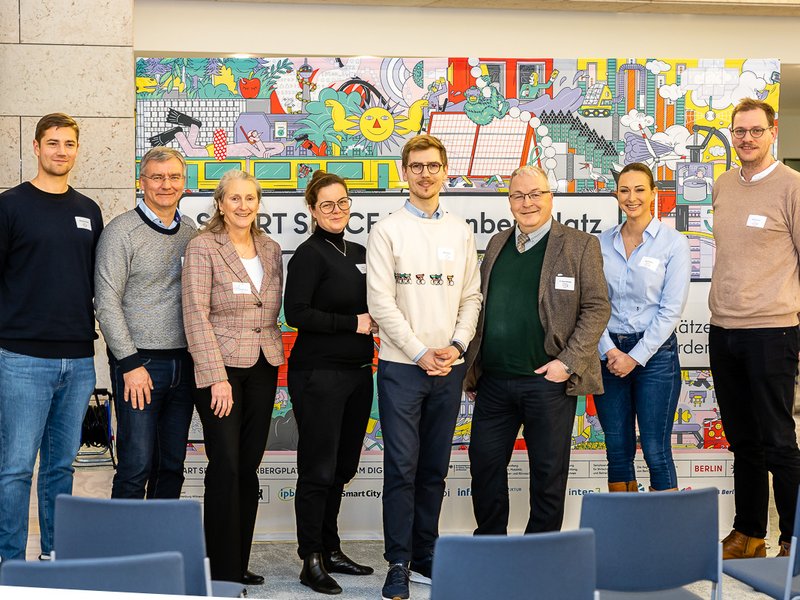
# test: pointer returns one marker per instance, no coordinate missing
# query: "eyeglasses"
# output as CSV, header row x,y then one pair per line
x,y
327,208
162,178
534,196
433,168
755,132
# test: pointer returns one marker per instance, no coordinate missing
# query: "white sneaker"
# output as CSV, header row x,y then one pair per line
x,y
45,556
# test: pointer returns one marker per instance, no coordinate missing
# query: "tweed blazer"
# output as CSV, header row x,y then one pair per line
x,y
573,320
224,328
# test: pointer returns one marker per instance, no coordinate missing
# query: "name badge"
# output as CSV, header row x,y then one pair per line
x,y
446,254
648,262
362,268
241,287
83,223
756,221
565,283
182,258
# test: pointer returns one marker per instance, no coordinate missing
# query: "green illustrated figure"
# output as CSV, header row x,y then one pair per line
x,y
533,89
482,109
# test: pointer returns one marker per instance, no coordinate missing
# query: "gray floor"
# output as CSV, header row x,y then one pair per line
x,y
279,563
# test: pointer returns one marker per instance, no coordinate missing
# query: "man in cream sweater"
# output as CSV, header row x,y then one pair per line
x,y
423,290
753,341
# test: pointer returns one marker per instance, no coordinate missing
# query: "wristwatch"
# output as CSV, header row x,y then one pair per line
x,y
461,350
566,367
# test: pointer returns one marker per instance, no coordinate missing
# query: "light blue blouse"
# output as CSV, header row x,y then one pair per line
x,y
648,291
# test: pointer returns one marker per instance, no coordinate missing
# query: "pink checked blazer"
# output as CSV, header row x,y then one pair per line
x,y
223,328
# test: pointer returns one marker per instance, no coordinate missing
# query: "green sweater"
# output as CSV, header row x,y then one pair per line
x,y
513,339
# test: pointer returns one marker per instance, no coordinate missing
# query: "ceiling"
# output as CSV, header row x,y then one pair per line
x,y
776,8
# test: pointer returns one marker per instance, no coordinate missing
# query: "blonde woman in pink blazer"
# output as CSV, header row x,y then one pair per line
x,y
232,282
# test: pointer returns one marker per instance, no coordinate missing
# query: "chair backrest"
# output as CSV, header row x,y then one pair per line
x,y
96,527
796,536
654,541
547,566
158,573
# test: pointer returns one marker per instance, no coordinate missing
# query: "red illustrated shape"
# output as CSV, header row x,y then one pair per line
x,y
249,88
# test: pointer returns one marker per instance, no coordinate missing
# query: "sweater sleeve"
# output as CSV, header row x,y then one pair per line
x,y
303,276
112,268
470,306
4,238
382,298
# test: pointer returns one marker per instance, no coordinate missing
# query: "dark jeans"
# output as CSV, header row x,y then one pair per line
x,y
649,395
235,447
754,372
151,442
332,409
418,418
547,415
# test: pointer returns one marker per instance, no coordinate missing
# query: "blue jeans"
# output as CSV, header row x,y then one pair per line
x,y
151,442
648,395
42,404
418,418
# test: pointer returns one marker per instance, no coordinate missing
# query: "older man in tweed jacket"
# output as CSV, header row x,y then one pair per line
x,y
545,306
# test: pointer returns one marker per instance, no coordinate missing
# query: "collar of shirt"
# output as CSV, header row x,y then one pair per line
x,y
534,237
651,231
759,176
437,214
154,217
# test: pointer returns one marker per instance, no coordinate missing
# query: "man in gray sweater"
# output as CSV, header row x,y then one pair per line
x,y
138,304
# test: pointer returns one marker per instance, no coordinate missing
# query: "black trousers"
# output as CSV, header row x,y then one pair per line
x,y
235,446
331,408
754,372
547,415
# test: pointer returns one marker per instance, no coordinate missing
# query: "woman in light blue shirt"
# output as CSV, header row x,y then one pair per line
x,y
648,268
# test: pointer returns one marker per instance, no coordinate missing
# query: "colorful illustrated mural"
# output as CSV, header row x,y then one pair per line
x,y
581,120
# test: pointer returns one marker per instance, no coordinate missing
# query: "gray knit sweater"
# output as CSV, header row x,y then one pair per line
x,y
138,286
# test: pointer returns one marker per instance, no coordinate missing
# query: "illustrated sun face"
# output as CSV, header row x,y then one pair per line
x,y
376,124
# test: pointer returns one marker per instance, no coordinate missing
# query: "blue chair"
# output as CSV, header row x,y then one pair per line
x,y
546,566
655,543
159,573
777,577
98,527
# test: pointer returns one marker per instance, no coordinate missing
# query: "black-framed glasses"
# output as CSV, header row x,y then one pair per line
x,y
433,168
755,132
328,207
162,178
534,195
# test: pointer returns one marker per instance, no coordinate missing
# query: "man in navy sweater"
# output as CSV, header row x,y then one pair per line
x,y
48,233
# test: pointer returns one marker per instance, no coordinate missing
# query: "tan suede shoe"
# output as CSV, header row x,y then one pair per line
x,y
739,545
784,549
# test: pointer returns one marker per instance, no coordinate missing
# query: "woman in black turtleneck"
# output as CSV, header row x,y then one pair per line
x,y
330,377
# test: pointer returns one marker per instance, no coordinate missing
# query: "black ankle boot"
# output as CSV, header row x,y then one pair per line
x,y
179,118
165,137
338,562
316,577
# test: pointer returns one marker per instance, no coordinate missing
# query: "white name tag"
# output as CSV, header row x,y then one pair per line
x,y
182,261
565,283
446,254
83,223
362,267
241,287
756,221
648,262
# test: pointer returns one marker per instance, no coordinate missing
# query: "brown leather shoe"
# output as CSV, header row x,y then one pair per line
x,y
617,486
784,549
633,486
739,545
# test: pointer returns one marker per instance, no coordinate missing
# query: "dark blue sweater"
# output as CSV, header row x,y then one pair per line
x,y
47,244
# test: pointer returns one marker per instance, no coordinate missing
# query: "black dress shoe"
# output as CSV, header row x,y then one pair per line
x,y
338,562
316,577
250,578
